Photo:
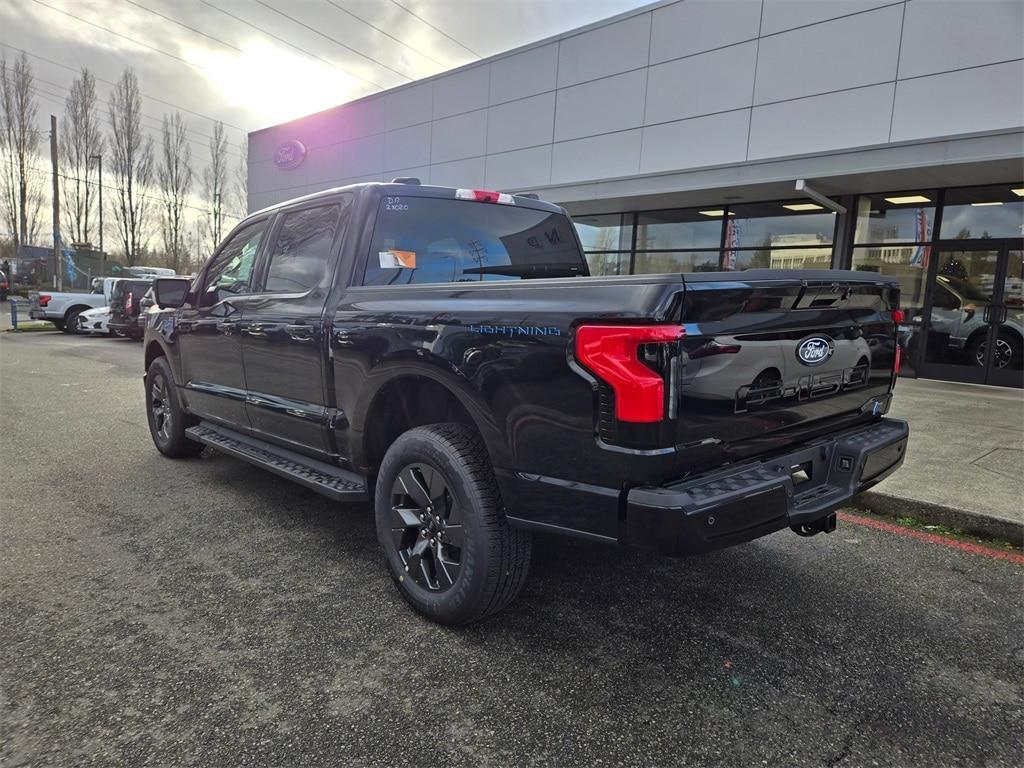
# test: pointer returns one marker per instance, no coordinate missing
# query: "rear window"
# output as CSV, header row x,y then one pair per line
x,y
434,240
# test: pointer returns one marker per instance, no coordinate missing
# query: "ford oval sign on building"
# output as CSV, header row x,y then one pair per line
x,y
290,155
815,350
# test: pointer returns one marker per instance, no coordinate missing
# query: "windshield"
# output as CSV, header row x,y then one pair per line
x,y
436,240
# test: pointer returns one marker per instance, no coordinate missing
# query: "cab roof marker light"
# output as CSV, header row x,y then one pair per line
x,y
485,196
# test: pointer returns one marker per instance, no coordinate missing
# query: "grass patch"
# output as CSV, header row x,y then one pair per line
x,y
941,530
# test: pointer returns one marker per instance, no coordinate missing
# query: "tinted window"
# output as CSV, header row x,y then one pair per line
x,y
433,240
302,253
230,272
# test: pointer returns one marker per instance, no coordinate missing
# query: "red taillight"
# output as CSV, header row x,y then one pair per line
x,y
44,299
897,359
898,316
610,352
484,196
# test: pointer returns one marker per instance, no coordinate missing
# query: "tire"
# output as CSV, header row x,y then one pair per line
x,y
70,324
1008,354
167,420
58,324
462,529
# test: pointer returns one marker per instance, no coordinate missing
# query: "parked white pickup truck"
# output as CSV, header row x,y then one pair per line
x,y
63,309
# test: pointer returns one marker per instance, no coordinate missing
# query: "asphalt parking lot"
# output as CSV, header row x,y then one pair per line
x,y
201,612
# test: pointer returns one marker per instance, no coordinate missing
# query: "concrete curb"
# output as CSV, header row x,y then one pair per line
x,y
937,514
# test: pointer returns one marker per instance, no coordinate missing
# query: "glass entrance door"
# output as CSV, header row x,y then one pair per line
x,y
972,324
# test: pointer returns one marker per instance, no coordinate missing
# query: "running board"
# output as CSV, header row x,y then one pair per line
x,y
331,481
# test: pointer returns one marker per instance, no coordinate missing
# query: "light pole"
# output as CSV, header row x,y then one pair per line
x,y
103,255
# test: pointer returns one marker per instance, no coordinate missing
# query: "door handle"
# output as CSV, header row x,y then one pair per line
x,y
300,332
185,326
227,327
256,329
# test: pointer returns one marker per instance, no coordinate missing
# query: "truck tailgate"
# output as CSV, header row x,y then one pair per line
x,y
769,357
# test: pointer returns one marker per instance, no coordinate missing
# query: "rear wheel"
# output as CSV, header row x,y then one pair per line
x,y
1005,356
70,324
167,420
441,523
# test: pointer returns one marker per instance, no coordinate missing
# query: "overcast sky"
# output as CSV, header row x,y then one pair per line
x,y
254,63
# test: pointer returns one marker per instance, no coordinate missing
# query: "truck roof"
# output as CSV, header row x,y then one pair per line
x,y
401,188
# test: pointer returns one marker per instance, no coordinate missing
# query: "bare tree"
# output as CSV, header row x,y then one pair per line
x,y
174,177
132,156
215,181
242,180
19,139
80,141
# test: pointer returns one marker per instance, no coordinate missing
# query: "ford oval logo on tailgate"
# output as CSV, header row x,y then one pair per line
x,y
290,155
815,350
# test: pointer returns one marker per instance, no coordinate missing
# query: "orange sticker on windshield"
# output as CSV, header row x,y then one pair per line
x,y
392,259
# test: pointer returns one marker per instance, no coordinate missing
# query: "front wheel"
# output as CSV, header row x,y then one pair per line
x,y
167,420
1005,356
440,520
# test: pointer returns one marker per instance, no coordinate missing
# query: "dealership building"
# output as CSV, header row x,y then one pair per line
x,y
707,135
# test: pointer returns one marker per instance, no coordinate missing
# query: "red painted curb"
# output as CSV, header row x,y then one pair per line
x,y
933,538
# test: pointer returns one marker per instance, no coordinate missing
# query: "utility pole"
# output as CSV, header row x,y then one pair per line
x,y
58,280
103,255
216,219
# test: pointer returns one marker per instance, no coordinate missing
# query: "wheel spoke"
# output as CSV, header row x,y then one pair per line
x,y
404,517
453,536
414,559
447,569
414,487
454,516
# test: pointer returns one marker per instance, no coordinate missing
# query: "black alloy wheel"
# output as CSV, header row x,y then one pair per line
x,y
159,407
426,527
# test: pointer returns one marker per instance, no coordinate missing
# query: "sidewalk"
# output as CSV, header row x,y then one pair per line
x,y
965,461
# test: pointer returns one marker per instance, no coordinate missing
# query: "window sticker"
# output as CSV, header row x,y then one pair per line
x,y
394,259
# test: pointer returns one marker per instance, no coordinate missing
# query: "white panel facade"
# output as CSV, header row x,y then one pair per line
x,y
693,26
521,169
700,85
780,15
524,74
695,92
942,35
600,106
968,101
523,123
407,147
697,142
462,92
459,137
614,154
821,123
845,53
604,51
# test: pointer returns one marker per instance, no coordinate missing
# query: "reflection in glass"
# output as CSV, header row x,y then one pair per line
x,y
982,212
608,263
763,225
679,229
605,232
908,219
680,261
780,258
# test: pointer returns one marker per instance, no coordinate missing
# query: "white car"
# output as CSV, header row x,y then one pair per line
x,y
94,321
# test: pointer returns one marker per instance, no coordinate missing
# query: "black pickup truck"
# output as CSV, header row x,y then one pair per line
x,y
445,354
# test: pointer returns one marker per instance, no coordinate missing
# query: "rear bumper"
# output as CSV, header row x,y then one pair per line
x,y
752,499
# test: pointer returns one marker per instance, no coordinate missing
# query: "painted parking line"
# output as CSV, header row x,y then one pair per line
x,y
932,538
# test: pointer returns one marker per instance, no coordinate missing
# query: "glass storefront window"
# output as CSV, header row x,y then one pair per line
x,y
605,232
779,258
680,261
895,217
764,225
667,230
983,212
608,263
907,263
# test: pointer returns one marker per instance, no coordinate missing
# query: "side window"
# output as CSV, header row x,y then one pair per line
x,y
944,299
301,258
230,272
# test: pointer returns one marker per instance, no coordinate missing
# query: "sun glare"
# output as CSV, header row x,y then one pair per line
x,y
272,84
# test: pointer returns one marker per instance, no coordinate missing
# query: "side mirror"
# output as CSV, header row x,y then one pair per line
x,y
170,292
